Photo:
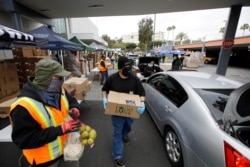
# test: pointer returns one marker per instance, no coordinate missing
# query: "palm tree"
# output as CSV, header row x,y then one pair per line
x,y
168,29
244,27
173,28
222,30
181,36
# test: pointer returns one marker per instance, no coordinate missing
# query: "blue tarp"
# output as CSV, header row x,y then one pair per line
x,y
56,42
176,51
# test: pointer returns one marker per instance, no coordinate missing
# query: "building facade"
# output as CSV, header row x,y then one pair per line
x,y
134,37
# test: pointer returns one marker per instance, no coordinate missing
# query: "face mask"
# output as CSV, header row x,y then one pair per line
x,y
126,71
55,86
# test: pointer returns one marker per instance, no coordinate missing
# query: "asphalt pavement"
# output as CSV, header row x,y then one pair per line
x,y
146,148
146,145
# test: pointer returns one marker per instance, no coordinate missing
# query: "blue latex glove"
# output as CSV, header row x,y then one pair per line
x,y
141,109
105,101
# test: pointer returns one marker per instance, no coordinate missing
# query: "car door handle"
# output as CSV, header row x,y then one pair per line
x,y
168,109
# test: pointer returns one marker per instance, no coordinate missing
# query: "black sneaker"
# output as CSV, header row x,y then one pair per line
x,y
125,140
119,163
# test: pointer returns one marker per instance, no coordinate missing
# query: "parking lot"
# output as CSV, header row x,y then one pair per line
x,y
146,146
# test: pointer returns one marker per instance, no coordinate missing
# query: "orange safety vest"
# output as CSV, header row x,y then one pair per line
x,y
46,116
101,68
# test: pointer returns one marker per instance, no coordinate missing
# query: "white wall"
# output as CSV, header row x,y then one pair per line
x,y
82,25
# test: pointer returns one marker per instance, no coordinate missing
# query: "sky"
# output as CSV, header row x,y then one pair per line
x,y
201,24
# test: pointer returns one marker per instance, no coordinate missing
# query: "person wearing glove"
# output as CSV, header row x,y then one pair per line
x,y
141,109
125,82
74,113
105,101
70,126
38,117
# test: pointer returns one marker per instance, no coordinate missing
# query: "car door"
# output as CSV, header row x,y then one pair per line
x,y
152,94
164,99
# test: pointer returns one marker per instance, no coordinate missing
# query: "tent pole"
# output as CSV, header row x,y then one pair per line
x,y
62,59
49,53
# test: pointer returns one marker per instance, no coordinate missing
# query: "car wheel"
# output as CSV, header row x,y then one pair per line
x,y
173,148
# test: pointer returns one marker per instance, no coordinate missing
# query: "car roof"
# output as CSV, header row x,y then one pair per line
x,y
204,80
149,59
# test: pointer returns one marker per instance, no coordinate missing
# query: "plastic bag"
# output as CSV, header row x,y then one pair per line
x,y
73,148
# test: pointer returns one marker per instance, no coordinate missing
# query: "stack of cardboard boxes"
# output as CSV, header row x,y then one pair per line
x,y
16,69
81,87
25,59
9,86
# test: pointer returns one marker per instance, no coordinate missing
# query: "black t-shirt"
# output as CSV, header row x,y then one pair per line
x,y
118,84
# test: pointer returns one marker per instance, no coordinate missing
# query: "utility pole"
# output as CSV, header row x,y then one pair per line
x,y
154,32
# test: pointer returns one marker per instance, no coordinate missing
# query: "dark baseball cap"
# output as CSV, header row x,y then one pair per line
x,y
123,61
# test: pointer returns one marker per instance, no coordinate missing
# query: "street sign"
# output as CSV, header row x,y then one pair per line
x,y
228,43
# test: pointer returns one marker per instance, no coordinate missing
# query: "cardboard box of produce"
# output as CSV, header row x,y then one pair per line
x,y
123,104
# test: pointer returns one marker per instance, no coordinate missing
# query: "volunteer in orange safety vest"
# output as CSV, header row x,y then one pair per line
x,y
39,117
103,68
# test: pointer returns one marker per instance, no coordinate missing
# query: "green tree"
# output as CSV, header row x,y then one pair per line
x,y
244,27
168,30
119,40
120,45
222,30
145,32
131,46
156,43
181,36
110,42
173,28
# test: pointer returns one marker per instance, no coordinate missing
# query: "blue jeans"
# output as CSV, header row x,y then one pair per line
x,y
104,76
122,127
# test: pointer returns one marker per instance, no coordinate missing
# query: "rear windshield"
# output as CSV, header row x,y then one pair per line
x,y
216,100
133,56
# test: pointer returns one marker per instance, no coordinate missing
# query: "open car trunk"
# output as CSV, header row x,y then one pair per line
x,y
236,117
144,61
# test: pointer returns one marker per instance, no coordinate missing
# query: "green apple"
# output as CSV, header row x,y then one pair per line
x,y
92,134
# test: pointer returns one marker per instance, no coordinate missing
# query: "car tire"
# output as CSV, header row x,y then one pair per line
x,y
173,148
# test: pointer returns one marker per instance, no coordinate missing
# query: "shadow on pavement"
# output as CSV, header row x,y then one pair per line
x,y
145,149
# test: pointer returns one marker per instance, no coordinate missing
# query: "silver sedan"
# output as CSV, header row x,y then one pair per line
x,y
198,126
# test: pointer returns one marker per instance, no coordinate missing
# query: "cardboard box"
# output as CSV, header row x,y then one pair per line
x,y
123,104
79,84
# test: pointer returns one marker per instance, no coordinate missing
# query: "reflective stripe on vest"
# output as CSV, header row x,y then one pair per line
x,y
46,116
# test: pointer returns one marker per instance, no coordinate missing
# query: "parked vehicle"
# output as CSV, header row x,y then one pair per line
x,y
140,69
203,118
134,57
210,60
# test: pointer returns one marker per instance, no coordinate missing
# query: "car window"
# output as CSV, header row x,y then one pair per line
x,y
170,88
215,100
153,81
243,106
